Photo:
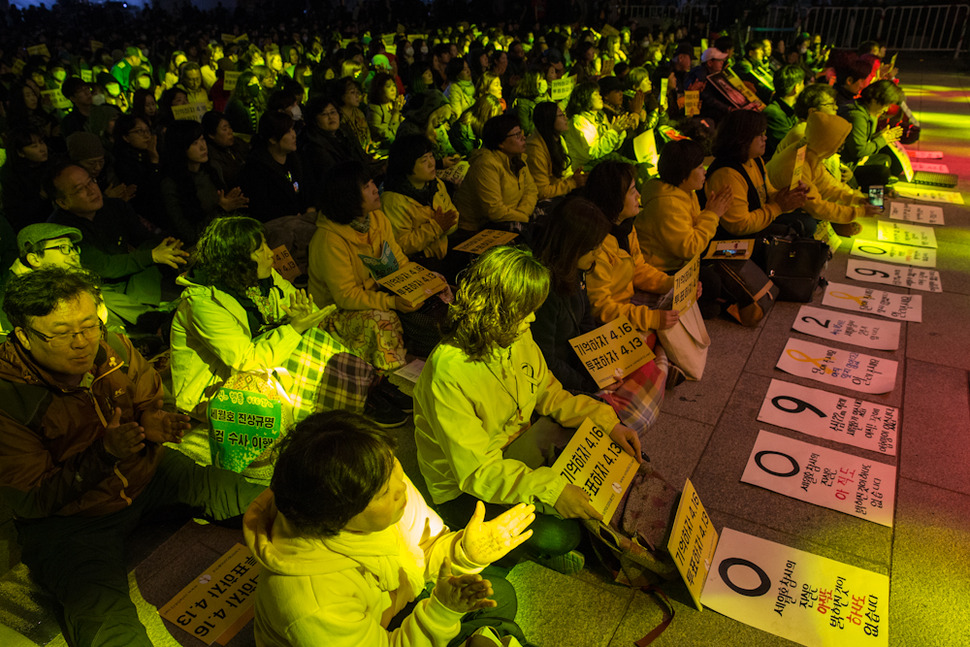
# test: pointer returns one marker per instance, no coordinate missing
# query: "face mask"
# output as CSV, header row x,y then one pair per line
x,y
144,82
409,51
543,86
296,113
97,99
144,53
424,50
60,75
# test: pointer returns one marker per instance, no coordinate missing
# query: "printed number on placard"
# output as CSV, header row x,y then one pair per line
x,y
800,405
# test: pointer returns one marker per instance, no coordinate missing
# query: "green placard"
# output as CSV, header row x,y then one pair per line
x,y
243,424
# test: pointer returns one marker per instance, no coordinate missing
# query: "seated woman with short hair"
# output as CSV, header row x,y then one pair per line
x,y
348,547
498,191
478,392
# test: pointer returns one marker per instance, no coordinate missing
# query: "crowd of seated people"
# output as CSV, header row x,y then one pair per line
x,y
145,184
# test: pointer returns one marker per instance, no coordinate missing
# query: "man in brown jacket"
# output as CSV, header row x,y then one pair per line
x,y
81,455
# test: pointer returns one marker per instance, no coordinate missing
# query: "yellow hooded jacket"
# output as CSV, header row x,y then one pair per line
x,y
828,197
671,226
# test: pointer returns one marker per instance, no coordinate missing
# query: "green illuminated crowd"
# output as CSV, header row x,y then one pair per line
x,y
214,211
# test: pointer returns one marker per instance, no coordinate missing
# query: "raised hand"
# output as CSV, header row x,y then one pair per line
x,y
487,541
162,426
169,252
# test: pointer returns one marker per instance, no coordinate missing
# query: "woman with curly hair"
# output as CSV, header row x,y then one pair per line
x,y
464,435
237,314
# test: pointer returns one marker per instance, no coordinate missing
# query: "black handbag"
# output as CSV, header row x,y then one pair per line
x,y
749,287
795,264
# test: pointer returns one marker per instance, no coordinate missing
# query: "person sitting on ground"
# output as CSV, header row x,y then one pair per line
x,y
246,104
86,462
227,153
78,92
751,69
426,113
416,202
347,94
498,191
713,104
591,136
133,283
463,434
671,227
87,151
192,191
137,164
190,80
546,155
348,547
273,177
237,314
460,91
620,272
465,134
780,113
738,149
22,178
817,97
864,146
384,109
852,75
829,198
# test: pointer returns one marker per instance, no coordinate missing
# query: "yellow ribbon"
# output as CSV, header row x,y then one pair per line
x,y
842,295
805,358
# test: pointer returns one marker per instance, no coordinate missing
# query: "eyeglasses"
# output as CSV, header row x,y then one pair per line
x,y
63,340
65,248
83,187
139,131
518,134
330,113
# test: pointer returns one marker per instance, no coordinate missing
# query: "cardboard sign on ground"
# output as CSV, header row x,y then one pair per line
x,y
906,234
593,462
692,542
485,240
825,477
892,305
612,351
917,278
805,598
890,253
413,283
861,331
920,192
818,413
837,367
922,213
730,250
219,600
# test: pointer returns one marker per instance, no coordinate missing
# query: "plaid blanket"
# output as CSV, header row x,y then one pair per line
x,y
637,401
326,376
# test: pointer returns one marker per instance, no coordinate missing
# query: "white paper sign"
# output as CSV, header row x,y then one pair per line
x,y
411,371
929,167
842,368
917,278
925,155
905,234
861,331
805,598
923,213
836,417
892,305
920,192
890,253
832,479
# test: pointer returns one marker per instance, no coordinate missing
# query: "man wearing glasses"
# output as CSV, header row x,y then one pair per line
x,y
81,452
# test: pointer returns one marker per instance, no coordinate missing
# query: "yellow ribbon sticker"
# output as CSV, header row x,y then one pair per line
x,y
802,357
842,295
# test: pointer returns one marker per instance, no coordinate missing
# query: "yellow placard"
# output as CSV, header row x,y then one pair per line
x,y
388,39
796,172
609,30
593,462
697,53
703,45
612,351
96,45
229,80
413,283
692,102
607,69
284,263
57,99
664,86
190,111
228,38
561,88
218,599
87,76
18,66
685,285
39,50
692,542
730,250
645,147
484,240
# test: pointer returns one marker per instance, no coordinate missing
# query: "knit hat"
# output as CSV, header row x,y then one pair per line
x,y
84,146
30,236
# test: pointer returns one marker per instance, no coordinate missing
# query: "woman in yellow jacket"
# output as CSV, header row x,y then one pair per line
x,y
546,153
416,202
828,197
738,149
498,190
619,270
671,226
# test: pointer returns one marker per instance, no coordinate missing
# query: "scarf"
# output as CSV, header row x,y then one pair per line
x,y
402,185
621,231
